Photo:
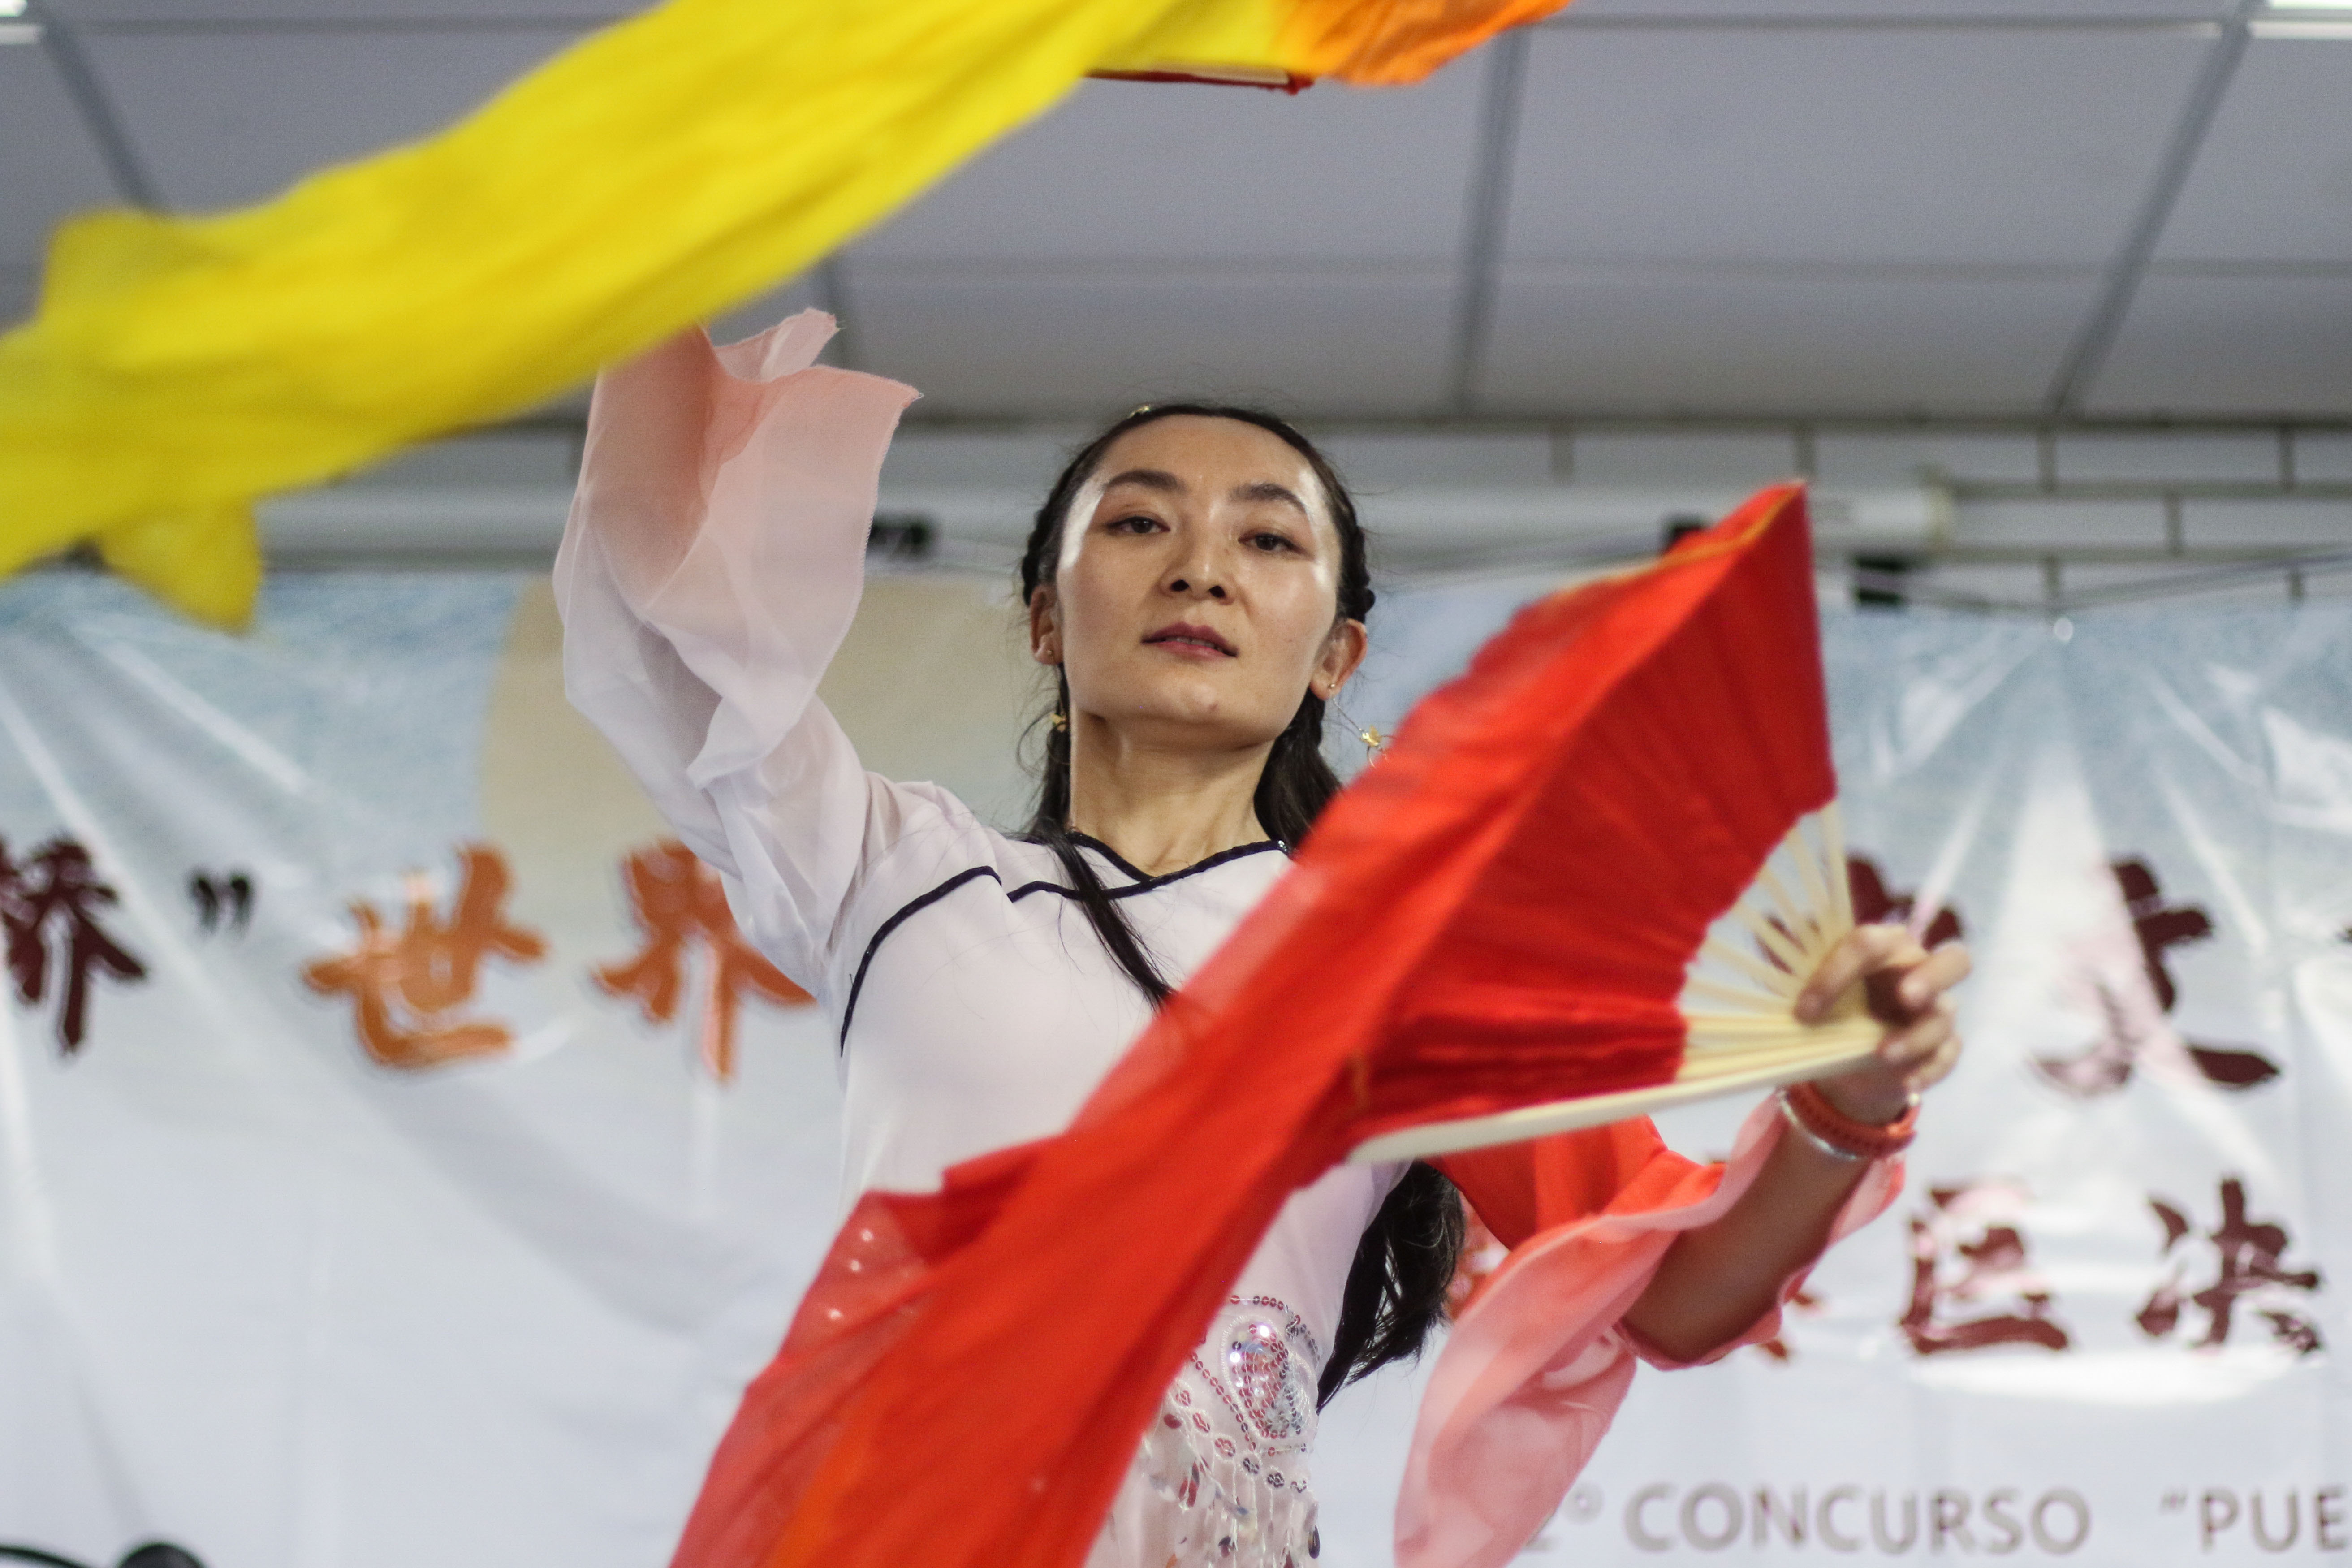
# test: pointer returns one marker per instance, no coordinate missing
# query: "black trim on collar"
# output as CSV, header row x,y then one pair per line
x,y
913,905
849,1009
1144,882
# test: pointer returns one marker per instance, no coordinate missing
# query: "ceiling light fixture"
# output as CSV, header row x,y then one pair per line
x,y
19,33
2300,28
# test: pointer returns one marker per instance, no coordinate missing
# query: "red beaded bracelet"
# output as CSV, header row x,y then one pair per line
x,y
1839,1134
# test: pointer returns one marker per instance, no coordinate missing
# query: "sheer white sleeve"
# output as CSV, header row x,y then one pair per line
x,y
710,566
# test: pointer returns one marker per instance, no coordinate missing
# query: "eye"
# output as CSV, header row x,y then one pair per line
x,y
1270,543
1137,522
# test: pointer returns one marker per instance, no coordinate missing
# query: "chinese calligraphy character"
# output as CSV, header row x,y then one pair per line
x,y
49,911
2162,927
1965,1224
678,903
1875,903
2133,1029
2249,1263
407,984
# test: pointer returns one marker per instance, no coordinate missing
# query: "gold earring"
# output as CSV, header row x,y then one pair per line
x,y
1061,720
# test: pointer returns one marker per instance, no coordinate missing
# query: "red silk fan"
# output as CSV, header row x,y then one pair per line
x,y
1504,929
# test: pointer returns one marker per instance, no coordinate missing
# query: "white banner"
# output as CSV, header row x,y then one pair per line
x,y
402,1161
2105,1322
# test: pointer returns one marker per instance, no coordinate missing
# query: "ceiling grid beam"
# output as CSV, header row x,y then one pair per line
x,y
2087,355
829,283
99,122
1488,214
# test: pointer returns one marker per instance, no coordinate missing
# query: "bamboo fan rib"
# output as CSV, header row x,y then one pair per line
x,y
1737,1005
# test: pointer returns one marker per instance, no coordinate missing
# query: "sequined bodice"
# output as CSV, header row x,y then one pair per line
x,y
1221,1479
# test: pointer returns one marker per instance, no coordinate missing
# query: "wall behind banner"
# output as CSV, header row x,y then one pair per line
x,y
378,1183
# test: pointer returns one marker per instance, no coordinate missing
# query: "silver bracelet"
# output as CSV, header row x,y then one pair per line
x,y
1788,1114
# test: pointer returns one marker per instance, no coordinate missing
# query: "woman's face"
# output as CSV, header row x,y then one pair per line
x,y
1196,596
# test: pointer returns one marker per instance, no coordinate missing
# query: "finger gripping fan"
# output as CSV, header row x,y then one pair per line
x,y
1585,880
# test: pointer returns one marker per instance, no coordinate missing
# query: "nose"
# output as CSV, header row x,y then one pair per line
x,y
1196,573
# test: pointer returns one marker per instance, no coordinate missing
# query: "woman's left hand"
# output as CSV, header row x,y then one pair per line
x,y
1909,991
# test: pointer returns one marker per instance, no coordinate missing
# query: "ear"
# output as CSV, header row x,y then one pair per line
x,y
1343,651
1044,625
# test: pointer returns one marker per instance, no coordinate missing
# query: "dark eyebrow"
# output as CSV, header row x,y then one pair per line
x,y
1159,480
1267,489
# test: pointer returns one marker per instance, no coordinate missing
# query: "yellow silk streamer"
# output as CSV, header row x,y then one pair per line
x,y
651,176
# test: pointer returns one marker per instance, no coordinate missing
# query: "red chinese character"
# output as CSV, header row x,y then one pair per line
x,y
48,914
2133,1032
1991,1266
2249,1262
1875,903
405,987
679,901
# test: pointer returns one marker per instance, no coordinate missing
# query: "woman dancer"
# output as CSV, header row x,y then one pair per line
x,y
1196,580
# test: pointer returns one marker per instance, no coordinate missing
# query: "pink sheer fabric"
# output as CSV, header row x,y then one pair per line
x,y
1538,1362
712,565
726,542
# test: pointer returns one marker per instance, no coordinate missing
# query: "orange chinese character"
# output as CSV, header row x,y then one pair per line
x,y
406,986
679,901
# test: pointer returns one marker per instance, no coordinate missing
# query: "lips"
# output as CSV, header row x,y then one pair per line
x,y
1184,634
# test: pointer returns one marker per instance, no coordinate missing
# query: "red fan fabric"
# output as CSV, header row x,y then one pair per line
x,y
1498,914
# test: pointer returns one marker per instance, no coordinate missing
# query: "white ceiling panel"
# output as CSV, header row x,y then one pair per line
x,y
1986,146
2232,345
1491,460
1335,343
48,168
223,118
1809,207
1570,340
1902,13
1149,170
2273,180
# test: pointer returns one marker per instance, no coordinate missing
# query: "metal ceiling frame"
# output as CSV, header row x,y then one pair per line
x,y
100,120
1502,96
829,284
2087,355
1489,199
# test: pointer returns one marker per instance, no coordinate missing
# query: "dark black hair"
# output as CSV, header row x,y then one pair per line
x,y
1396,1286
